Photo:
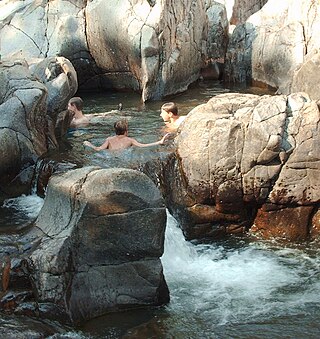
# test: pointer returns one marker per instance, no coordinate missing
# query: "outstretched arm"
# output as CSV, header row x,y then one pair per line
x,y
105,145
160,142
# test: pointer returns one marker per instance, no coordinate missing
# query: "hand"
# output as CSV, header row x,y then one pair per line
x,y
87,143
165,138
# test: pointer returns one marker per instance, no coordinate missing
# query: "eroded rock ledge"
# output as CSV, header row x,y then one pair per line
x,y
244,161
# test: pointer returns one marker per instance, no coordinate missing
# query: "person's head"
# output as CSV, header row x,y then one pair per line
x,y
121,127
75,103
168,110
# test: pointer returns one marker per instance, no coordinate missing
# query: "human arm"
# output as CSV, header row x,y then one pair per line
x,y
97,115
160,142
105,145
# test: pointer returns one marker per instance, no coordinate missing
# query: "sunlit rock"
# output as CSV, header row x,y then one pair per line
x,y
23,120
30,103
103,236
307,76
275,47
151,47
240,152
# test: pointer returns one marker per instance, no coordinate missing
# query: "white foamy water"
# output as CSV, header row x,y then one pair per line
x,y
27,205
252,282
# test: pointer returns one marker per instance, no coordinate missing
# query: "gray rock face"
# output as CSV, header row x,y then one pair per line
x,y
27,126
243,9
60,78
276,47
239,152
307,76
103,235
152,47
23,121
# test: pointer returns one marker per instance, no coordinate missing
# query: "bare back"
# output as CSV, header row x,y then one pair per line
x,y
119,142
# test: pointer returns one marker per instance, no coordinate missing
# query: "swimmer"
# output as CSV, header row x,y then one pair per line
x,y
75,105
121,140
170,116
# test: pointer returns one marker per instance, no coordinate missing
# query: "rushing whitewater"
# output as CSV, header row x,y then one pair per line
x,y
243,282
27,205
230,288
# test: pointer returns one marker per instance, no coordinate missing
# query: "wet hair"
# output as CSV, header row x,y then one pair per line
x,y
78,102
121,126
170,107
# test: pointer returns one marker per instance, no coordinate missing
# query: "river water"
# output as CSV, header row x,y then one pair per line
x,y
239,287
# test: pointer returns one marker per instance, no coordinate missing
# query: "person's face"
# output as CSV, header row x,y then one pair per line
x,y
165,115
71,107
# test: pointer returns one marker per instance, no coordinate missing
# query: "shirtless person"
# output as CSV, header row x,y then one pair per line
x,y
121,140
170,116
75,105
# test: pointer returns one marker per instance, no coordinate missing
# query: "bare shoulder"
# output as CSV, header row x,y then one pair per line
x,y
112,138
132,141
79,122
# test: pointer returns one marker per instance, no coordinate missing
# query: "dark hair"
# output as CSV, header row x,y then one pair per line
x,y
77,101
121,126
170,107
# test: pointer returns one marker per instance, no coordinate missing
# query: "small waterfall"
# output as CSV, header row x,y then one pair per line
x,y
246,282
43,171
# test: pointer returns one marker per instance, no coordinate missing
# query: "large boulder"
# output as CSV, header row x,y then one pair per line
x,y
275,46
102,239
152,47
59,31
60,78
23,120
245,159
27,126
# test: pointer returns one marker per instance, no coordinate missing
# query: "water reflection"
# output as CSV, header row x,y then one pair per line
x,y
17,213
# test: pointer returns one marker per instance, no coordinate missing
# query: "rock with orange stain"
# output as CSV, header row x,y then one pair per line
x,y
286,223
315,225
237,153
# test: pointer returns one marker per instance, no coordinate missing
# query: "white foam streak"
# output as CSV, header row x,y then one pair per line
x,y
238,284
29,205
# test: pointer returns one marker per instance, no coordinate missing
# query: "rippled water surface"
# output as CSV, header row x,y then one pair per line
x,y
236,288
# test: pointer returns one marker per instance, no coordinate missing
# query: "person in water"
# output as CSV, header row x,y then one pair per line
x,y
121,140
170,116
75,105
